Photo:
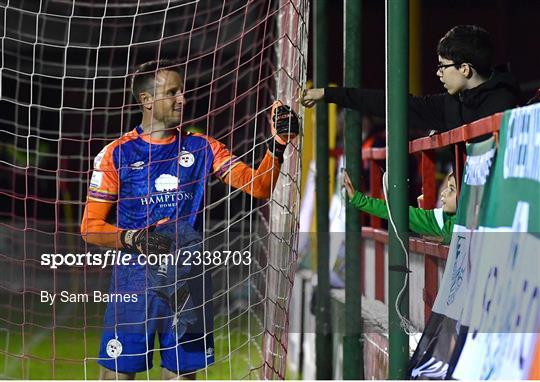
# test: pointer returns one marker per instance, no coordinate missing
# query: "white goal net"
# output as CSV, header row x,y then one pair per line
x,y
65,73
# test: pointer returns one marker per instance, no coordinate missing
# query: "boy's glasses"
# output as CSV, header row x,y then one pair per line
x,y
441,67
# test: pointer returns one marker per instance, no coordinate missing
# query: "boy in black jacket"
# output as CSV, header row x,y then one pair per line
x,y
473,88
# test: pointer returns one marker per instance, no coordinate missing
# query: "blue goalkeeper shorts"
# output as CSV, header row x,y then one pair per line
x,y
127,342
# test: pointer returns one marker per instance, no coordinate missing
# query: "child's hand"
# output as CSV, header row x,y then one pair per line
x,y
420,200
348,185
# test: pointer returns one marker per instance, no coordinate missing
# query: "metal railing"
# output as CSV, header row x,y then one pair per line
x,y
426,148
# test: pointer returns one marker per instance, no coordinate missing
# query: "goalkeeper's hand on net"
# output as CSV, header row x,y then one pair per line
x,y
285,127
146,240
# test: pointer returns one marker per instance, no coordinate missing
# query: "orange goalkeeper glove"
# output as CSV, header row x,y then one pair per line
x,y
285,127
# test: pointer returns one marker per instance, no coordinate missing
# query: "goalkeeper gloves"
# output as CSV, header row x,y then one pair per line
x,y
184,311
284,126
170,280
145,240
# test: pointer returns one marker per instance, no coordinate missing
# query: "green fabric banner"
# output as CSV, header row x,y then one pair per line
x,y
503,304
433,356
487,313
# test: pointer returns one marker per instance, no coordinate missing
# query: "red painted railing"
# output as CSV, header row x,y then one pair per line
x,y
427,148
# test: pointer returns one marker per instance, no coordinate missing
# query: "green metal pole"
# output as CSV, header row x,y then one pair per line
x,y
323,344
353,357
398,191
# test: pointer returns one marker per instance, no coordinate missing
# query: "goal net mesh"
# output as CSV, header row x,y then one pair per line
x,y
65,75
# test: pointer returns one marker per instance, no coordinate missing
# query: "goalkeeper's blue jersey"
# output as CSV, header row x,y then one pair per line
x,y
153,180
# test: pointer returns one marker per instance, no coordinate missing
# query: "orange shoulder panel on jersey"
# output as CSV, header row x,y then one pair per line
x,y
104,182
224,160
258,182
102,194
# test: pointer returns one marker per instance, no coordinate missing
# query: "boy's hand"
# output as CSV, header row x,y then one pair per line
x,y
310,97
348,185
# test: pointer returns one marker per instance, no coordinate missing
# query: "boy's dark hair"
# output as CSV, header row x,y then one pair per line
x,y
144,76
468,44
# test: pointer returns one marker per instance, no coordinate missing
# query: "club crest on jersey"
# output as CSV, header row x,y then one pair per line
x,y
186,159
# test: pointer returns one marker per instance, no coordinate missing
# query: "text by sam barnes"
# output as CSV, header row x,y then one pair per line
x,y
96,296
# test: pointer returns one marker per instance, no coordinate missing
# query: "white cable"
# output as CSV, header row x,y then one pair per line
x,y
404,322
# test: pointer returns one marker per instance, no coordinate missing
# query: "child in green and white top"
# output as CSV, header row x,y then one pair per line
x,y
437,222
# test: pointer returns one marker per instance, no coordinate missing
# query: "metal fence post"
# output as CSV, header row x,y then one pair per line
x,y
353,358
323,341
397,87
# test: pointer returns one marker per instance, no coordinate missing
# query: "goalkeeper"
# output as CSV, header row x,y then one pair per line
x,y
154,173
437,222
